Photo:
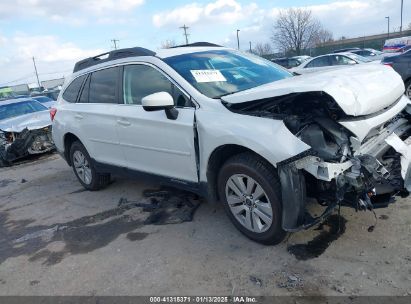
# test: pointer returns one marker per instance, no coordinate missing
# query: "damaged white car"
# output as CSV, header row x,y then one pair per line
x,y
238,129
25,129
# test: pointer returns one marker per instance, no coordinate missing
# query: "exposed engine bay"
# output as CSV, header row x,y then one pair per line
x,y
340,168
16,145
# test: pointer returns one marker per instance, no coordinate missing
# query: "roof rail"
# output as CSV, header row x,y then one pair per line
x,y
113,55
197,44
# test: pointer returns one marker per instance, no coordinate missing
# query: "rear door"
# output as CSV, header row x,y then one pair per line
x,y
94,116
152,142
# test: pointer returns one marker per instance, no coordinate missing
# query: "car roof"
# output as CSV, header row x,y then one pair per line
x,y
136,53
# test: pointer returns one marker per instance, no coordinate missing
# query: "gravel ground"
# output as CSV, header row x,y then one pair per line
x,y
57,239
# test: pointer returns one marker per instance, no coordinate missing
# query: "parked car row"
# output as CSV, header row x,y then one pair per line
x,y
402,65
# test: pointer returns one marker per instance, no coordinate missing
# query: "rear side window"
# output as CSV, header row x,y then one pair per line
x,y
71,93
103,86
85,92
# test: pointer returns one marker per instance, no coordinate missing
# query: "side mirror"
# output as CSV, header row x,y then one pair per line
x,y
160,101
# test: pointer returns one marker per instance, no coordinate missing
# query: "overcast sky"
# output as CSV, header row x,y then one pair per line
x,y
58,33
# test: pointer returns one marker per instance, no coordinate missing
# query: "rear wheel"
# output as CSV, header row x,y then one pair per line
x,y
84,169
408,89
251,194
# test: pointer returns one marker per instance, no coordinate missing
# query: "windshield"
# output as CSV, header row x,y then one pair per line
x,y
358,58
20,108
222,72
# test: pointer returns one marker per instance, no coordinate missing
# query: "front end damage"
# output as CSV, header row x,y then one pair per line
x,y
17,145
341,168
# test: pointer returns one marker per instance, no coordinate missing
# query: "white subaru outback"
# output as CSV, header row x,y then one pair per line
x,y
239,129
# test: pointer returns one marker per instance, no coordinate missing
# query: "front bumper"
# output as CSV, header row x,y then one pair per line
x,y
378,167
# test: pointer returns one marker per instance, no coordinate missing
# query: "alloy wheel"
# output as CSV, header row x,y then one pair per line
x,y
249,203
82,167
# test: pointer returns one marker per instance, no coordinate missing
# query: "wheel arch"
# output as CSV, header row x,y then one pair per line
x,y
69,139
216,160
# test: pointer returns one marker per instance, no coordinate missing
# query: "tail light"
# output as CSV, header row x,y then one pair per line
x,y
387,64
53,112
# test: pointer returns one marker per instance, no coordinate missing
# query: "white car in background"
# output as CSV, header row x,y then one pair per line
x,y
330,62
239,130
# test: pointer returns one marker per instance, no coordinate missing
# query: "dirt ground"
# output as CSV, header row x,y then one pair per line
x,y
57,239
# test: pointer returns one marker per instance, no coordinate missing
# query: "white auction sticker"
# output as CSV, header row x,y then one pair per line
x,y
208,75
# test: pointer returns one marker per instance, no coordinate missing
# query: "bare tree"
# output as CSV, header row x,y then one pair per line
x,y
262,49
295,30
168,44
323,36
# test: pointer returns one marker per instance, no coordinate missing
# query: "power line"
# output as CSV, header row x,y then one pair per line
x,y
185,28
115,42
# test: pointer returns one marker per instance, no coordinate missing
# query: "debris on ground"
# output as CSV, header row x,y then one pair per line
x,y
85,234
332,228
6,182
256,281
290,281
166,206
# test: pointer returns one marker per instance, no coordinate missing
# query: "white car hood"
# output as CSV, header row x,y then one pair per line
x,y
32,121
359,90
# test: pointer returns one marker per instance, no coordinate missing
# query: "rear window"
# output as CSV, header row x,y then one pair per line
x,y
71,93
20,108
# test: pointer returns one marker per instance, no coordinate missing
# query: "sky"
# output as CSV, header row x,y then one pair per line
x,y
59,33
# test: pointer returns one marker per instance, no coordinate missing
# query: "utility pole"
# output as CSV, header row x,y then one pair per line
x,y
388,18
402,5
238,40
115,43
185,28
250,47
37,75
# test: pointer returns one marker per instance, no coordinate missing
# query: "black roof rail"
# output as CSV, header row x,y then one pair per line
x,y
113,55
197,44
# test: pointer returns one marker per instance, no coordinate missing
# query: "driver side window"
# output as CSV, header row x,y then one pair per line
x,y
142,80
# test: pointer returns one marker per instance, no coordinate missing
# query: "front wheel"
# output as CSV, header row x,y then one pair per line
x,y
251,194
84,169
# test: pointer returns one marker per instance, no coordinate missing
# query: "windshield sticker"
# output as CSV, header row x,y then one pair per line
x,y
208,75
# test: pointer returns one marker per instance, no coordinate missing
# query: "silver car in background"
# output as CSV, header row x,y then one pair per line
x,y
25,129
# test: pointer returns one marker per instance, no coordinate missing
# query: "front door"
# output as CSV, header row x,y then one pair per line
x,y
152,142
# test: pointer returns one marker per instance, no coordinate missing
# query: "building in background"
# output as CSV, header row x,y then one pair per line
x,y
52,84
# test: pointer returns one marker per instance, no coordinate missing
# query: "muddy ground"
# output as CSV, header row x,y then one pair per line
x,y
57,239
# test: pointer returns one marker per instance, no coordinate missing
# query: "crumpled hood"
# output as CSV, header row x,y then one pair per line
x,y
359,90
32,121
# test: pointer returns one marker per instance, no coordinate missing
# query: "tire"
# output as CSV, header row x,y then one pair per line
x,y
251,214
408,89
84,169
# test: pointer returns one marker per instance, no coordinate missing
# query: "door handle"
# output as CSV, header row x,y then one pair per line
x,y
78,116
123,122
